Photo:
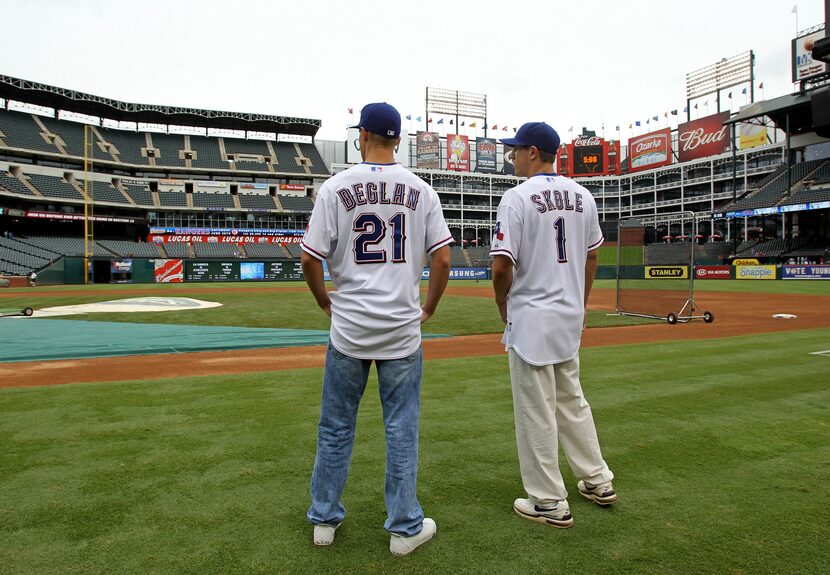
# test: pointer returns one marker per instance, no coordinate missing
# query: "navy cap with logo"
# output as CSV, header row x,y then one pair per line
x,y
536,134
380,118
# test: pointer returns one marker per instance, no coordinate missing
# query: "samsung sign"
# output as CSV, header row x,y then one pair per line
x,y
462,274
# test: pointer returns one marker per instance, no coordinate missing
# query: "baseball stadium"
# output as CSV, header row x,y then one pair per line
x,y
162,357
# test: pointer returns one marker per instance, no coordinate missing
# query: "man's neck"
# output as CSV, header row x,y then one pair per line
x,y
540,168
379,157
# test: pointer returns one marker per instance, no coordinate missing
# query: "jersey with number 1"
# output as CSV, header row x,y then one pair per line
x,y
546,226
372,224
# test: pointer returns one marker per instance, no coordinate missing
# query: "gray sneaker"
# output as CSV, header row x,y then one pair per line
x,y
402,545
602,494
558,515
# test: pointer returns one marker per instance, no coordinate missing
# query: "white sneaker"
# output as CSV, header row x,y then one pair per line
x,y
557,515
602,494
401,545
324,533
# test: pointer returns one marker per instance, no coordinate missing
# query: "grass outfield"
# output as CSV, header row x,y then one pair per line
x,y
242,306
720,468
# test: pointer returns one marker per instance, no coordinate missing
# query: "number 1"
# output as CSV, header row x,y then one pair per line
x,y
559,227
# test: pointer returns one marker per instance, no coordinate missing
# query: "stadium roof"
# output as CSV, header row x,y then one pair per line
x,y
79,102
797,106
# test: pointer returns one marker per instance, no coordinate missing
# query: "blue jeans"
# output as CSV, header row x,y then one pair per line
x,y
344,382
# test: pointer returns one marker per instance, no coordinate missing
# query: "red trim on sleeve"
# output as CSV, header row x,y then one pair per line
x,y
507,253
311,251
440,244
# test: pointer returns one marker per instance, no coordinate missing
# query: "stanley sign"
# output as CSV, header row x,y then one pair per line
x,y
673,272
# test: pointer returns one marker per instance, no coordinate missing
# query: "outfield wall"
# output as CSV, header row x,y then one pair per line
x,y
70,270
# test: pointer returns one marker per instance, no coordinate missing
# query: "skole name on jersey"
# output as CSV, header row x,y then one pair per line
x,y
364,193
559,201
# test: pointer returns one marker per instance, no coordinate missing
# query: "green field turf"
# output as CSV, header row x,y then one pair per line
x,y
720,449
457,315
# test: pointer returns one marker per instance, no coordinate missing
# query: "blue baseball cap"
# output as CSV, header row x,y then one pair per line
x,y
536,134
380,118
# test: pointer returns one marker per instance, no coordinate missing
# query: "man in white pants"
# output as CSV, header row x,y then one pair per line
x,y
544,252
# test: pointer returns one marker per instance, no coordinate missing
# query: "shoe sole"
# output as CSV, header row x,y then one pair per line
x,y
601,501
558,523
396,554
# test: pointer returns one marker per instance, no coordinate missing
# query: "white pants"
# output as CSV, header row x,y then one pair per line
x,y
549,406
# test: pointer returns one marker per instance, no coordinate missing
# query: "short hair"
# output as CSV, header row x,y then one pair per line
x,y
382,141
547,157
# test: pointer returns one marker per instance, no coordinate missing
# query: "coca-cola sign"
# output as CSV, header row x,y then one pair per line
x,y
590,141
649,150
703,137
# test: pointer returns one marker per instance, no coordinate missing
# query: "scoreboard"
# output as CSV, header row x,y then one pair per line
x,y
233,270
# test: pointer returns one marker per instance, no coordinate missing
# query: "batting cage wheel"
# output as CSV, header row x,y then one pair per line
x,y
708,317
671,318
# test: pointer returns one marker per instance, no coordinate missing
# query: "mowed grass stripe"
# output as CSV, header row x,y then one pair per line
x,y
720,448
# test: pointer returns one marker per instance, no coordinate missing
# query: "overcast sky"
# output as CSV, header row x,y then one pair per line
x,y
573,63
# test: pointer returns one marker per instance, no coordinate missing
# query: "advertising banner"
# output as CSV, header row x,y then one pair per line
x,y
461,274
563,160
804,67
124,266
713,272
155,230
751,136
169,271
587,156
80,217
293,187
755,272
649,150
703,137
427,150
458,153
745,262
485,155
198,239
667,272
805,272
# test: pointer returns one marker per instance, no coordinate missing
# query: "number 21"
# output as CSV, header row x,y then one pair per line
x,y
372,231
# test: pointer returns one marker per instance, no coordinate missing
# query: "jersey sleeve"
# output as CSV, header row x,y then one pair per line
x,y
595,237
507,235
321,231
437,233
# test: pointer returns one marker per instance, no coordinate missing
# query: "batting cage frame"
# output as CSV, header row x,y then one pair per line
x,y
656,267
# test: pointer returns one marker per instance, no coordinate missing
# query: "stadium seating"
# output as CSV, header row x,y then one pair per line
x,y
173,199
296,203
55,187
287,158
104,192
13,185
212,200
140,194
458,257
318,166
21,131
249,147
128,144
130,249
65,245
19,258
294,250
176,250
211,250
477,253
667,254
260,201
266,251
168,146
772,189
207,152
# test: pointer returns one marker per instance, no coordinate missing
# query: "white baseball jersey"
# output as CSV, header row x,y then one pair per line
x,y
373,223
546,226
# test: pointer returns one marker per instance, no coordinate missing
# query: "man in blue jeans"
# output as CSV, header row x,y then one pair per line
x,y
372,224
